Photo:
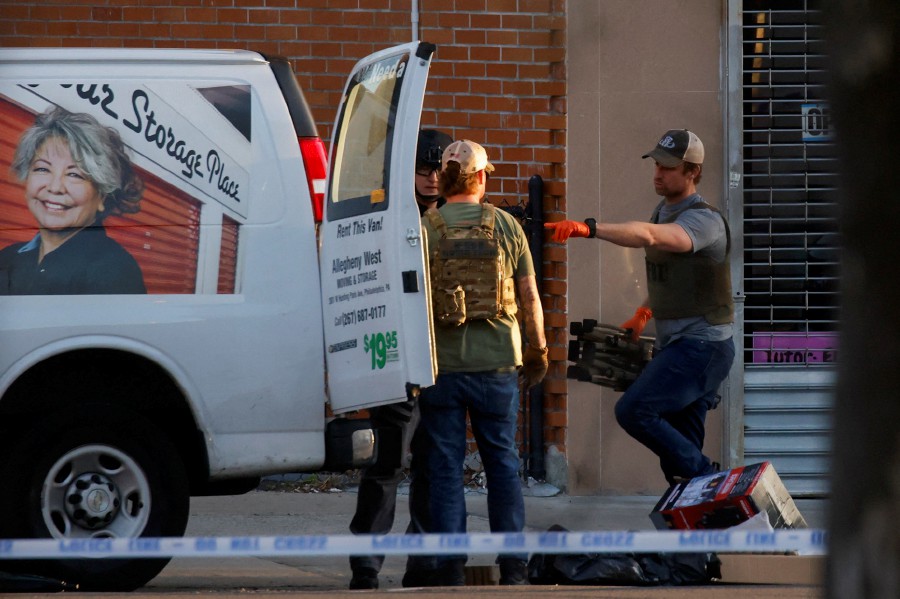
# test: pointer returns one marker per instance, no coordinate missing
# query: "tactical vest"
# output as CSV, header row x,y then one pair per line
x,y
683,285
467,281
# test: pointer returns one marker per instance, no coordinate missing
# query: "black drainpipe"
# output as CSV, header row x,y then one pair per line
x,y
534,213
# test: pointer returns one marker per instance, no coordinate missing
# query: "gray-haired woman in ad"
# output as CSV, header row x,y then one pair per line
x,y
76,173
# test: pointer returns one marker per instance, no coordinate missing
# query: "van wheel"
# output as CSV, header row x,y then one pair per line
x,y
98,473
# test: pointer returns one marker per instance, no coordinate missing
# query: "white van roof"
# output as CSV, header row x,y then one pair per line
x,y
155,55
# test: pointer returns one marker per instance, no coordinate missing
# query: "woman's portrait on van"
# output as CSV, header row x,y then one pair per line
x,y
75,172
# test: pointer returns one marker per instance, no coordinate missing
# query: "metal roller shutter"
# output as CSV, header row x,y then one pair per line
x,y
790,244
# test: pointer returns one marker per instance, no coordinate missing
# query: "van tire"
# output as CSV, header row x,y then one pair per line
x,y
121,459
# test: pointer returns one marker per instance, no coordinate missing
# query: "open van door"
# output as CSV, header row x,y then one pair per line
x,y
375,296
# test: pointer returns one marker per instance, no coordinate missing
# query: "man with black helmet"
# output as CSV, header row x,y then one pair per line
x,y
377,498
428,168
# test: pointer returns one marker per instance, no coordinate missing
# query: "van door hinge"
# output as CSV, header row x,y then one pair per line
x,y
413,236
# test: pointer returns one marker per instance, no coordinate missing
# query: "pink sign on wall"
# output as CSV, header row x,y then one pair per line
x,y
794,348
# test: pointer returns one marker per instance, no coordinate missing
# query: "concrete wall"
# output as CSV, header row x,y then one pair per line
x,y
636,68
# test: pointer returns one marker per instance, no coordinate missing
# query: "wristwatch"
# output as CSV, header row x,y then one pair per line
x,y
592,226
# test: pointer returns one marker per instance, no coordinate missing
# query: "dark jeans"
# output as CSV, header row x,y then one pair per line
x,y
376,502
665,408
492,402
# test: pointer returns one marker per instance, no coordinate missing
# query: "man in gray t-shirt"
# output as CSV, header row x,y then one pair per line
x,y
687,244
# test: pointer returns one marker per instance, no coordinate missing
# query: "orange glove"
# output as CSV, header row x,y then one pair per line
x,y
564,229
637,322
534,365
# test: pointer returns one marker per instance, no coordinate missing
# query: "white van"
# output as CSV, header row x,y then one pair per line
x,y
193,326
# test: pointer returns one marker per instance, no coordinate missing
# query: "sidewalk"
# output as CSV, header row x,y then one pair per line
x,y
292,513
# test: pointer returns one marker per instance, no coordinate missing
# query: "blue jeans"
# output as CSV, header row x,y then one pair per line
x,y
492,402
665,408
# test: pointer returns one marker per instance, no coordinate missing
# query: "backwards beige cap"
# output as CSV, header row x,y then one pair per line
x,y
470,156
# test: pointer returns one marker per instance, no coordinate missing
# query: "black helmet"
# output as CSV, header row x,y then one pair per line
x,y
430,147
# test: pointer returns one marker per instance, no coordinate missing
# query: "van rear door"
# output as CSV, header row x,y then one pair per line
x,y
375,297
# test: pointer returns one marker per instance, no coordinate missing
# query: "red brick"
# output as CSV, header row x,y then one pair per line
x,y
503,38
358,19
281,32
518,88
151,30
487,21
518,154
549,122
535,38
89,30
552,22
62,29
262,15
455,20
555,319
14,13
138,13
549,54
393,19
295,17
469,103
40,28
518,121
484,53
75,13
326,17
474,6
51,13
518,21
555,419
502,6
182,31
534,104
451,53
534,71
469,37
549,155
455,119
249,32
557,188
550,88
201,15
502,70
537,6
535,138
357,50
125,30
518,54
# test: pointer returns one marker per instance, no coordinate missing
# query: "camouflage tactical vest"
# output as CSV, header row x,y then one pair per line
x,y
467,281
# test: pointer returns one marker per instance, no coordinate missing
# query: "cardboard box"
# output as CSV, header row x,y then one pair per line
x,y
772,569
725,499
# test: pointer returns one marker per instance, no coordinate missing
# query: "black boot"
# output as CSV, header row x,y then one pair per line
x,y
419,577
513,571
451,573
364,578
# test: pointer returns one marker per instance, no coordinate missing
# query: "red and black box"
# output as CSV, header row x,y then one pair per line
x,y
725,499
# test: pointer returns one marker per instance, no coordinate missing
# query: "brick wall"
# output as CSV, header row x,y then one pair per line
x,y
498,77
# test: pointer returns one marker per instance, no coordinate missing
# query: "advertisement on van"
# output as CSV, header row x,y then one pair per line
x,y
108,184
